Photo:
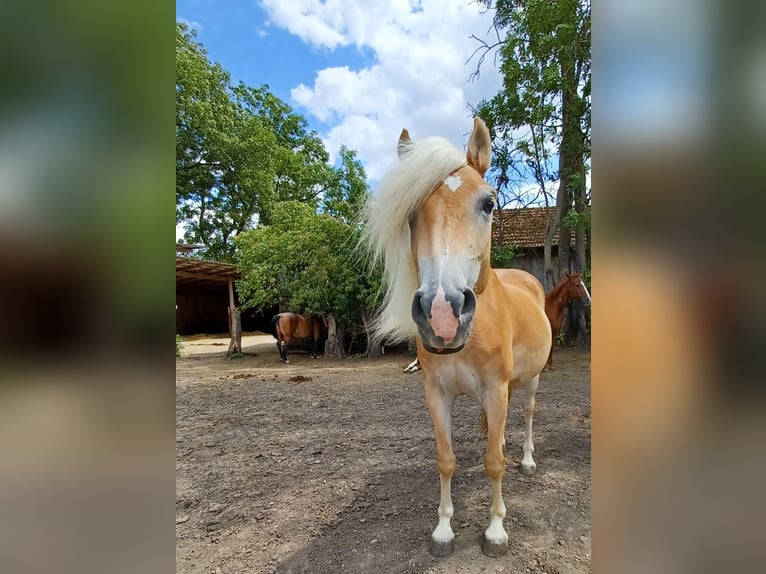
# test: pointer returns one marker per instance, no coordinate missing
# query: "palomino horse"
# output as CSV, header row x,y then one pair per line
x,y
571,286
512,276
289,326
478,333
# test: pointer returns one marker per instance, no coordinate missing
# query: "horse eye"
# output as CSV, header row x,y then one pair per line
x,y
489,205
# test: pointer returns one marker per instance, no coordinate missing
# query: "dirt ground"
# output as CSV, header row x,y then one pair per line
x,y
324,466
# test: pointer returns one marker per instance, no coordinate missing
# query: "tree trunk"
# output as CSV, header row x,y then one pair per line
x,y
235,328
572,179
562,203
335,336
374,347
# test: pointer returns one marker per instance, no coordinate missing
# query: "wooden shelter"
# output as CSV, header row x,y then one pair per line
x,y
525,229
206,300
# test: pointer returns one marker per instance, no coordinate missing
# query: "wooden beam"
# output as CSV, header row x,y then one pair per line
x,y
192,275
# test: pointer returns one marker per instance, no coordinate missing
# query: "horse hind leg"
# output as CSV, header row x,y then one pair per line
x,y
282,348
283,351
528,465
315,346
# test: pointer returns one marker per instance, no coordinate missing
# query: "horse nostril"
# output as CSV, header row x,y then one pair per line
x,y
418,312
469,303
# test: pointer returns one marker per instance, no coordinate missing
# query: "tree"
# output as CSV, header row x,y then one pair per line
x,y
544,109
239,150
310,262
345,199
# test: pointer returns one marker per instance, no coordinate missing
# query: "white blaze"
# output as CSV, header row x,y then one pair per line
x,y
453,182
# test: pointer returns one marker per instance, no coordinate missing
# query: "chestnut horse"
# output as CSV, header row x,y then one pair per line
x,y
289,326
571,286
478,332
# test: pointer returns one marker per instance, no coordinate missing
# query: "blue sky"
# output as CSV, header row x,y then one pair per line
x,y
357,71
241,39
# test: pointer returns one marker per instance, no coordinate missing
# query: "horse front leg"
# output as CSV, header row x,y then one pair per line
x,y
496,407
440,407
549,364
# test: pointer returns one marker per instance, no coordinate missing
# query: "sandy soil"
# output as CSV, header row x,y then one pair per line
x,y
328,466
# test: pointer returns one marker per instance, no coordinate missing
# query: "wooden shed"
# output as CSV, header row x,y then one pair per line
x,y
525,229
204,292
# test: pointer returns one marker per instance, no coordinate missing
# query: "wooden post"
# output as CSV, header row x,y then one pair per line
x,y
235,324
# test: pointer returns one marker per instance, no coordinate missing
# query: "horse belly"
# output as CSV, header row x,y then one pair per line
x,y
530,351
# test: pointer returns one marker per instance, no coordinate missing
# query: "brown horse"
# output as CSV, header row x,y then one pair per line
x,y
289,326
478,332
571,286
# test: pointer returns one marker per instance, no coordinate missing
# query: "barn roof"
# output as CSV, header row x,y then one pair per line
x,y
523,227
182,248
191,272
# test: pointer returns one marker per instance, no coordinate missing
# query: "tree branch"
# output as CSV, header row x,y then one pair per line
x,y
201,163
485,49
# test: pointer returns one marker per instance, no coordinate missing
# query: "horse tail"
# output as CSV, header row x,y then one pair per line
x,y
274,321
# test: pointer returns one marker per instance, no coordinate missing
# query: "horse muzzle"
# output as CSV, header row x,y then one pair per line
x,y
444,318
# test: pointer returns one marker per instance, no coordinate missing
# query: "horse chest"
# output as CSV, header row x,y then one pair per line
x,y
458,378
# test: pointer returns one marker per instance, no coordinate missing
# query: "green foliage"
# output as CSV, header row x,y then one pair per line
x,y
573,219
501,256
545,64
178,345
345,199
307,260
239,151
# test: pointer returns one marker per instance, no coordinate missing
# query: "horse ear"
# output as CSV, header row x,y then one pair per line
x,y
479,147
568,275
404,142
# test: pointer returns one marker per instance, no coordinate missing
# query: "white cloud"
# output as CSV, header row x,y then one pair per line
x,y
419,78
193,24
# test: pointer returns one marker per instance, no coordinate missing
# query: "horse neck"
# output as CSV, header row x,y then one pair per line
x,y
559,296
484,274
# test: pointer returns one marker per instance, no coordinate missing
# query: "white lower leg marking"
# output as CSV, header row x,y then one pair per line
x,y
495,532
443,531
412,367
529,413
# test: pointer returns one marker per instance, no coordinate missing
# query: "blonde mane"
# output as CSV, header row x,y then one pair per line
x,y
424,166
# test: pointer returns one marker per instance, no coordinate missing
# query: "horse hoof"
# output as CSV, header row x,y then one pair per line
x,y
528,470
494,549
441,549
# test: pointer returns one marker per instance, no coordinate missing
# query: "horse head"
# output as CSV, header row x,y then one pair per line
x,y
576,287
450,241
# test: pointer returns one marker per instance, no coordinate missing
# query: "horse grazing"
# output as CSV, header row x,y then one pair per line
x,y
289,326
571,286
478,333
